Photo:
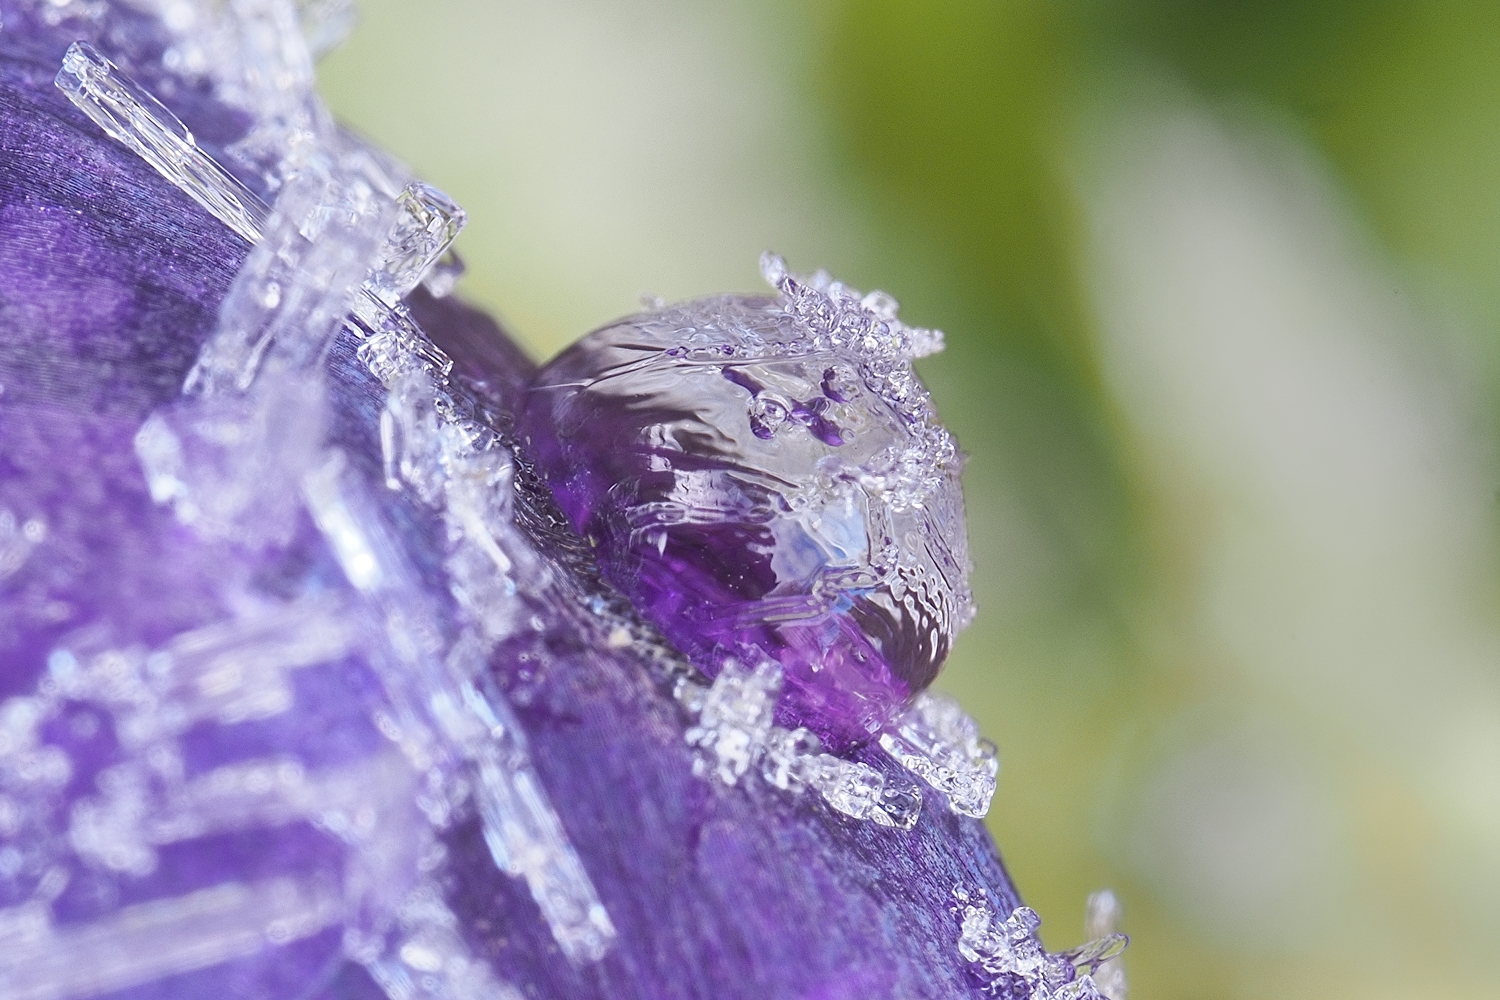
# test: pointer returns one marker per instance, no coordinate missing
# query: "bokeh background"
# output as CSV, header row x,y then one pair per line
x,y
1219,282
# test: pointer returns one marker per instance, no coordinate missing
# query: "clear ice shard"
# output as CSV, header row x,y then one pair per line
x,y
1100,926
939,743
418,246
461,468
426,226
292,295
133,117
231,466
732,733
858,790
766,480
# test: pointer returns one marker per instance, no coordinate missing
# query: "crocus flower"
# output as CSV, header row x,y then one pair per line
x,y
332,662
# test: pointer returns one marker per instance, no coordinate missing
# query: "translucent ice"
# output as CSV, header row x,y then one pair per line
x,y
938,742
426,225
154,940
735,719
131,115
766,479
1007,959
1101,925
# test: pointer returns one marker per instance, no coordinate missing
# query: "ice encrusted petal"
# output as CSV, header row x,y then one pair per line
x,y
939,743
338,248
1006,958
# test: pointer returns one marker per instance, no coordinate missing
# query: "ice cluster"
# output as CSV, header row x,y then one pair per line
x,y
1007,959
238,458
733,733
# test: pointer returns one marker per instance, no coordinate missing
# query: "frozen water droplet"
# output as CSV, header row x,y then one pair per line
x,y
766,478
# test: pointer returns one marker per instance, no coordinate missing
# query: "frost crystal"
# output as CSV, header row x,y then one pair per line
x,y
258,56
460,467
733,733
426,226
859,791
789,756
1100,924
148,941
151,701
838,317
419,230
735,720
939,743
521,828
1006,958
131,116
292,295
231,467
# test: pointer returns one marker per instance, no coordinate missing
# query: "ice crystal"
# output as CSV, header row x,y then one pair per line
x,y
1007,959
838,317
444,275
293,294
732,732
132,116
520,826
345,241
788,756
231,467
421,230
222,674
1101,924
462,469
939,743
428,223
734,720
858,790
258,57
145,942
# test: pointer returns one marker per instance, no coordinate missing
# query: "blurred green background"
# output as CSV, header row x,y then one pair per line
x,y
1219,287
